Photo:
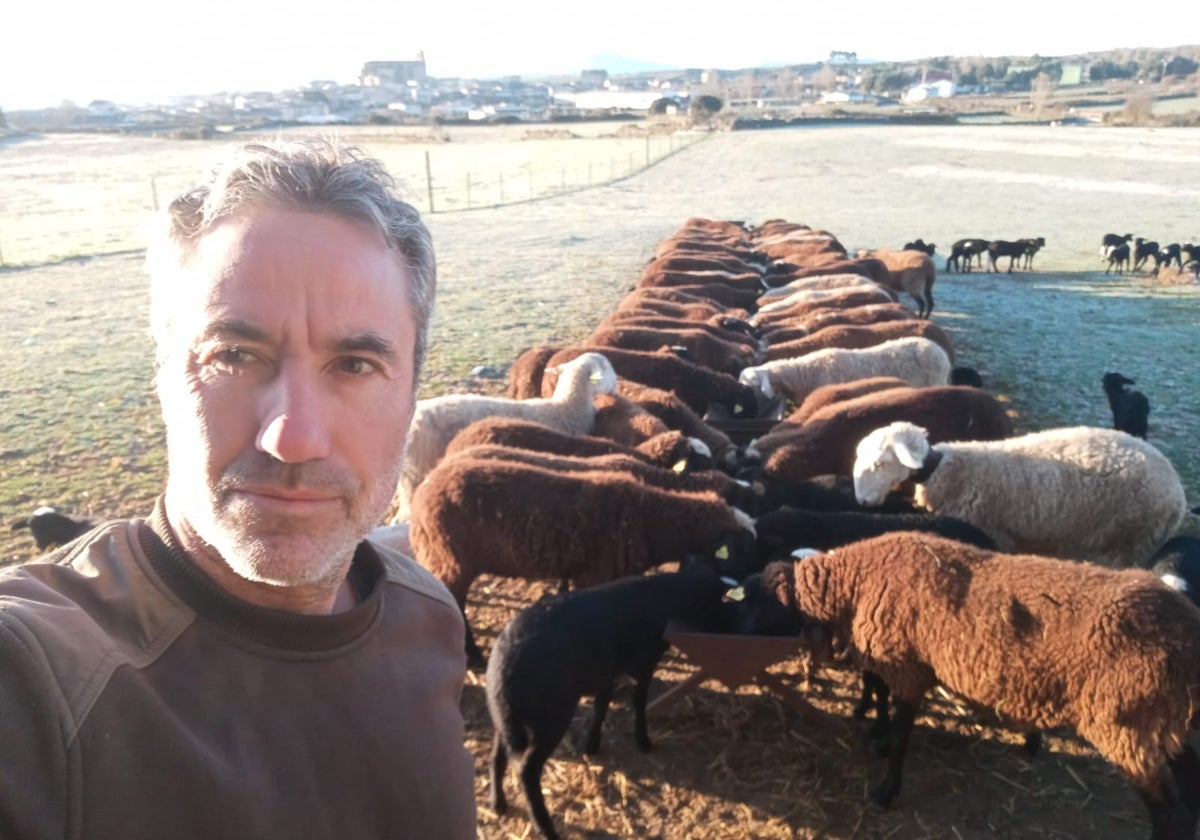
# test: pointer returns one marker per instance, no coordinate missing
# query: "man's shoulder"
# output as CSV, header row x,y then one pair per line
x,y
98,586
401,569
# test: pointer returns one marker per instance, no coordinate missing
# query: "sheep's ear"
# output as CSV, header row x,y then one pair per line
x,y
907,457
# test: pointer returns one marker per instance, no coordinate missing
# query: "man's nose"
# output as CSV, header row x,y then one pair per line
x,y
293,426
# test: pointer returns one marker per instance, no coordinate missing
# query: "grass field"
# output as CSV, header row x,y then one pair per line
x,y
80,427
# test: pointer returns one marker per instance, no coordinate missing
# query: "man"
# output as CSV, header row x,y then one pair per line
x,y
242,664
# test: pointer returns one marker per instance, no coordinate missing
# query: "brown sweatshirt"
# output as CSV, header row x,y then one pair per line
x,y
139,700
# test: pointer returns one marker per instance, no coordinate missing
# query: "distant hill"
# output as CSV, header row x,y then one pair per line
x,y
619,65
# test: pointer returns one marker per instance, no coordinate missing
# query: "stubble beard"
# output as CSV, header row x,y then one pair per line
x,y
285,551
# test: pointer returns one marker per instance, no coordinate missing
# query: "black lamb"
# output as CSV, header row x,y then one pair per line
x,y
1130,409
1178,564
577,644
51,529
780,532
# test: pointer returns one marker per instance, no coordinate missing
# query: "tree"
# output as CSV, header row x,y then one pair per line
x,y
1180,66
1039,93
704,107
1139,107
826,79
896,82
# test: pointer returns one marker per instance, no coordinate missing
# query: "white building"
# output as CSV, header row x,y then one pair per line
x,y
611,100
934,90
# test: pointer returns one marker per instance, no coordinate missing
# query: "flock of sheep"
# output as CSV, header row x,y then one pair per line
x,y
1133,253
885,512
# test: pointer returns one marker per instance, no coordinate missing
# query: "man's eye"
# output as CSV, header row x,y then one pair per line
x,y
230,358
355,365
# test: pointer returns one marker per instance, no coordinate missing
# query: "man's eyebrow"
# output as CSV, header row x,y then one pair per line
x,y
226,328
368,342
365,342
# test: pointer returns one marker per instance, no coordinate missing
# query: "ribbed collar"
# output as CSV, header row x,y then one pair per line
x,y
274,628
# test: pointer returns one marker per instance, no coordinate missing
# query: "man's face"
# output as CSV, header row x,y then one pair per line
x,y
286,384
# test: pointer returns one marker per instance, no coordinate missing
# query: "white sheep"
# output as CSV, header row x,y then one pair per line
x,y
1082,493
437,420
918,361
824,281
818,295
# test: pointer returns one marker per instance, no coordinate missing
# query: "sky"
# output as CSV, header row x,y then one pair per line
x,y
140,51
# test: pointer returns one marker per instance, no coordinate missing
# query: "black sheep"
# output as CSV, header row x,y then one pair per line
x,y
1130,409
1178,564
780,532
51,529
575,645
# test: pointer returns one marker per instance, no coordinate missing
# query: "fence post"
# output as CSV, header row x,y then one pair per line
x,y
468,190
647,149
154,193
429,180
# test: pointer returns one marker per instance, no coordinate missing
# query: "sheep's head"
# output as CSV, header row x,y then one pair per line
x,y
597,369
767,602
758,378
885,457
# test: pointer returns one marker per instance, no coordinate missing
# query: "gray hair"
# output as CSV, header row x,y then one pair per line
x,y
312,174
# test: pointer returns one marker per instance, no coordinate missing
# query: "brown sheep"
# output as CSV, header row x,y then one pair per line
x,y
697,386
1037,642
669,448
858,336
675,413
909,271
474,516
871,313
702,348
840,392
526,371
829,437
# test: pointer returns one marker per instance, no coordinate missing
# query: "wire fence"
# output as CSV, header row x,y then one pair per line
x,y
70,196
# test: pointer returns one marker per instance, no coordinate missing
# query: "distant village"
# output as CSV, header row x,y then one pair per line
x,y
402,92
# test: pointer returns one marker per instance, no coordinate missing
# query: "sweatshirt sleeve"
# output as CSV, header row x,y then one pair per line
x,y
34,733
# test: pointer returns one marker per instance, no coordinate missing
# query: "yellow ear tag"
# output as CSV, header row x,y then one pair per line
x,y
737,409
736,594
595,377
679,466
722,553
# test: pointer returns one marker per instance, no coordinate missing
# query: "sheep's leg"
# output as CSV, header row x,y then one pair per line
x,y
902,725
531,782
1033,742
641,693
1169,817
1185,767
599,710
499,765
475,658
928,303
880,732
